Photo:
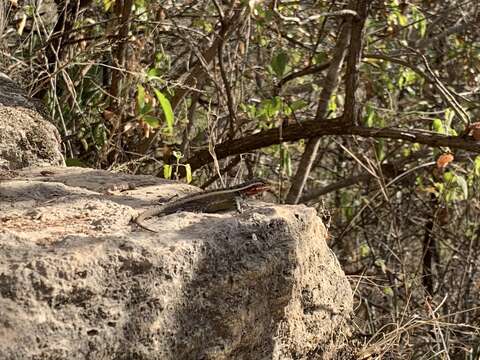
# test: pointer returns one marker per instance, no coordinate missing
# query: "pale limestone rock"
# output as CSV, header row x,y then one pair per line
x,y
79,281
26,137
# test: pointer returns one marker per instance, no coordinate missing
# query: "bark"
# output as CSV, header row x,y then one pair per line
x,y
353,63
123,9
430,255
316,129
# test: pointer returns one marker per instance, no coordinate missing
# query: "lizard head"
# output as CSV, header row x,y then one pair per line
x,y
254,187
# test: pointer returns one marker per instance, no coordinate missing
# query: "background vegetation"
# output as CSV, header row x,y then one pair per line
x,y
365,109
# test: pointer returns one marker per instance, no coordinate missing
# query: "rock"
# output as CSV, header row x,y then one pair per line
x,y
79,281
26,138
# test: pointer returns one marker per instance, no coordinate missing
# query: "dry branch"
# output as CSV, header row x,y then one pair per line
x,y
331,83
313,129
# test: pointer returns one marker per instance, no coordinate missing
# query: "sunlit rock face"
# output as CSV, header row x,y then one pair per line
x,y
78,280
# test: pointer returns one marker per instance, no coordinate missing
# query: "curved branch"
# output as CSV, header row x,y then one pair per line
x,y
388,171
314,128
352,180
309,70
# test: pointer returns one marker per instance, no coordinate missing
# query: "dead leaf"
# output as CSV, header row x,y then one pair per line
x,y
474,130
443,160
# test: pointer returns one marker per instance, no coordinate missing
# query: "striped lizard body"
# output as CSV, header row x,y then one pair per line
x,y
206,202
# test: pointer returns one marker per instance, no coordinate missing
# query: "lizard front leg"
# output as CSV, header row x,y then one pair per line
x,y
239,203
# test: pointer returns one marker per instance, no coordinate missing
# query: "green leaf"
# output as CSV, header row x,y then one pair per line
x,y
476,166
463,185
387,290
151,120
380,149
392,18
320,57
401,81
270,107
449,115
402,19
407,77
188,171
381,264
364,250
107,4
449,196
279,63
440,187
140,98
276,105
437,126
250,109
449,177
416,147
167,109
422,27
146,109
30,10
153,74
332,104
420,22
298,104
167,171
370,116
286,160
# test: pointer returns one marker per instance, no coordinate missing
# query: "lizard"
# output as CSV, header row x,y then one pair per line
x,y
206,202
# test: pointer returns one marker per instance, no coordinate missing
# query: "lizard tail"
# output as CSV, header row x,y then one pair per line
x,y
139,220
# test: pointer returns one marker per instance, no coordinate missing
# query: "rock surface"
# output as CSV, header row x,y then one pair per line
x,y
26,138
79,281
